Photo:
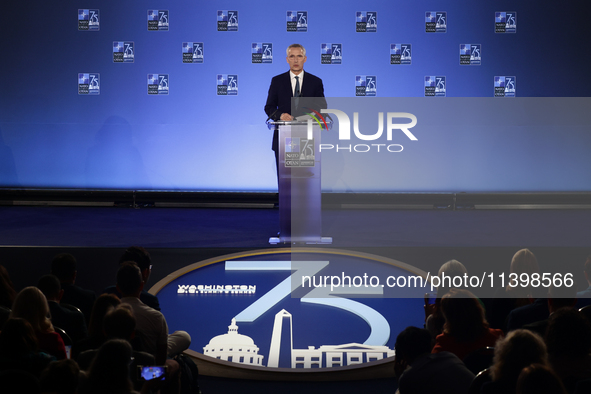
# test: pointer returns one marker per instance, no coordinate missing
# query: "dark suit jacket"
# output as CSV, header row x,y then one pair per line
x,y
79,297
71,322
532,313
280,94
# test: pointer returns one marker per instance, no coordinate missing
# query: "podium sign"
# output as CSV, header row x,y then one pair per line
x,y
300,202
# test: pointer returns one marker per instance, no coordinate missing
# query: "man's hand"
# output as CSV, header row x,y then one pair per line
x,y
286,117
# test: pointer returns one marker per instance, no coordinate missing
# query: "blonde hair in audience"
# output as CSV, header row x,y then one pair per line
x,y
30,304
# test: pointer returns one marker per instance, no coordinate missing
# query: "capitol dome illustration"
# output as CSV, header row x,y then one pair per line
x,y
233,347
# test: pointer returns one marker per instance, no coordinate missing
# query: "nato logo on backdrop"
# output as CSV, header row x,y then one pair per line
x,y
262,52
158,20
506,22
331,53
435,86
366,21
123,52
297,21
505,86
471,54
436,22
366,85
227,85
89,84
192,52
400,54
89,20
227,20
158,84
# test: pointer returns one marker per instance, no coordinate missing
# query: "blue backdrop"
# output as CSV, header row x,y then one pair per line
x,y
193,138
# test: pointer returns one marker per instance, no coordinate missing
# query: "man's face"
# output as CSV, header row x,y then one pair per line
x,y
296,60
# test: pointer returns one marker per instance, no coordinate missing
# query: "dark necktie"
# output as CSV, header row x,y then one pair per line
x,y
297,91
297,87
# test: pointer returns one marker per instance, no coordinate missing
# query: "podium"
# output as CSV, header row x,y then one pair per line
x,y
299,177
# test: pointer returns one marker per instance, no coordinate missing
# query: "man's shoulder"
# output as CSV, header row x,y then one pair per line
x,y
282,76
78,291
312,76
140,307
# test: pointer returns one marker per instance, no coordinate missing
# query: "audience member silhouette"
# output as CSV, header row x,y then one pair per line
x,y
558,298
465,329
434,319
64,267
61,377
96,335
7,294
419,371
119,323
71,321
142,258
109,371
31,305
19,348
150,323
516,351
510,297
539,379
568,339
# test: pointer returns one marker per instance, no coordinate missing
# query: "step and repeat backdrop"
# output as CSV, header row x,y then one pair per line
x,y
169,95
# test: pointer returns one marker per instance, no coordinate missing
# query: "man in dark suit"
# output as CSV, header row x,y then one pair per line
x,y
71,321
64,267
293,83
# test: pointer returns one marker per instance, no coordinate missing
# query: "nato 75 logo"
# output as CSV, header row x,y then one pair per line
x,y
88,20
436,21
227,85
158,20
471,54
192,52
435,86
123,52
262,52
365,85
297,21
158,84
400,54
366,21
505,86
227,20
299,152
89,84
506,22
331,53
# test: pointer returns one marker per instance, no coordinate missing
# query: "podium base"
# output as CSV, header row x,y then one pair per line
x,y
296,240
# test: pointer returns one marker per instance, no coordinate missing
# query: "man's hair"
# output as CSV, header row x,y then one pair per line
x,y
129,278
516,351
568,334
413,342
296,46
464,316
50,286
61,377
138,255
119,322
63,266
